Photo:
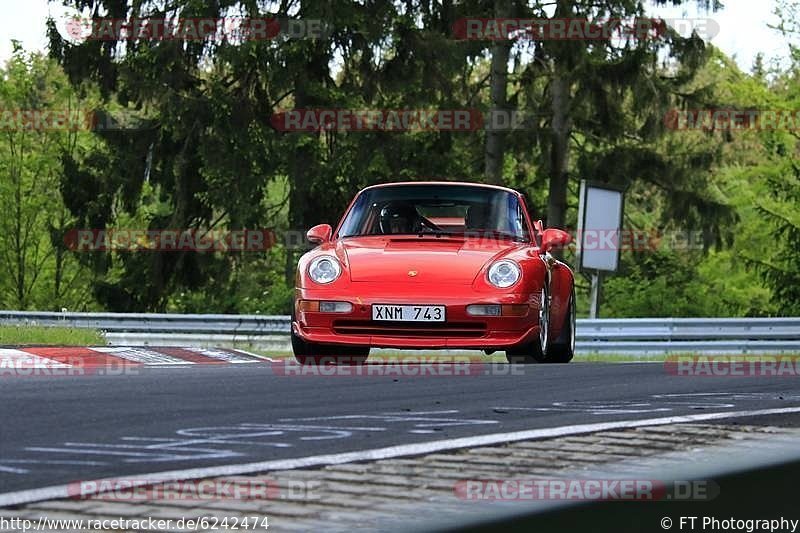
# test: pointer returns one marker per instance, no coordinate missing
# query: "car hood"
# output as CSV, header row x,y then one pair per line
x,y
434,260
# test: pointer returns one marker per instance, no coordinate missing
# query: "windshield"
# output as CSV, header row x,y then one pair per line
x,y
437,209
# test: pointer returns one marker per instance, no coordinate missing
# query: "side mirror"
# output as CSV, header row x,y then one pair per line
x,y
319,234
554,238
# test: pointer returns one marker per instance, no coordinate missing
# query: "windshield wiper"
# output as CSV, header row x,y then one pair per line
x,y
439,233
494,233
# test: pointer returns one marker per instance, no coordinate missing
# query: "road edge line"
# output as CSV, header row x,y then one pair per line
x,y
390,452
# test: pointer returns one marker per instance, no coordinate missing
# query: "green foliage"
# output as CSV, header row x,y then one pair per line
x,y
753,269
36,269
20,335
780,266
197,150
662,284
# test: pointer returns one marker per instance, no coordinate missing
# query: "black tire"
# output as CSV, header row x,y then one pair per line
x,y
526,354
563,349
534,352
348,355
310,353
305,353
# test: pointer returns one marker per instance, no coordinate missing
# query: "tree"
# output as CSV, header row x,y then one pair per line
x,y
604,103
495,140
779,259
205,154
780,266
37,269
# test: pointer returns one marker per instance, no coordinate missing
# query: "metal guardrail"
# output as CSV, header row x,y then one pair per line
x,y
623,336
155,322
689,335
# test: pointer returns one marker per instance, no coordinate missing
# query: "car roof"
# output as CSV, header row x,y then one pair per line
x,y
467,183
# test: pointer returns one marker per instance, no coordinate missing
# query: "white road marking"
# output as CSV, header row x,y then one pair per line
x,y
54,462
141,355
418,413
313,427
731,396
421,421
259,357
10,470
563,407
209,434
390,452
225,355
18,359
179,454
14,359
173,443
623,407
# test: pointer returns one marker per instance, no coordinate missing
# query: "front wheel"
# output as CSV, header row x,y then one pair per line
x,y
563,349
540,351
311,353
534,352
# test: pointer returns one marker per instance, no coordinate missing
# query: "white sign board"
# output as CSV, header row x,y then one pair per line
x,y
599,225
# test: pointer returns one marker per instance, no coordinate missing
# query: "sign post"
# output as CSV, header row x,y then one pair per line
x,y
594,294
599,226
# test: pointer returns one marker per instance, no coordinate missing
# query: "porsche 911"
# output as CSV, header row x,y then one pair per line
x,y
434,265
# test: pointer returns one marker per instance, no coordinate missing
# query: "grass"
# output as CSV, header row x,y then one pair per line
x,y
24,334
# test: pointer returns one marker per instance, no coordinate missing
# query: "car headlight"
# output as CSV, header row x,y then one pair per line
x,y
504,273
324,269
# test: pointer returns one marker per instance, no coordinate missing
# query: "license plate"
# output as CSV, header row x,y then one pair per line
x,y
408,313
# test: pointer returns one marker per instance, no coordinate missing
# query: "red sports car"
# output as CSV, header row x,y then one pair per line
x,y
427,265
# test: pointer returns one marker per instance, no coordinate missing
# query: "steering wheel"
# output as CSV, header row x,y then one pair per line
x,y
428,224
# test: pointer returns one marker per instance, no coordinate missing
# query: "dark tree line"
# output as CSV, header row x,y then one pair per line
x,y
201,151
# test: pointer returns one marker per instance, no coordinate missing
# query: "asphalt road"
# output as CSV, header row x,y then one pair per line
x,y
56,430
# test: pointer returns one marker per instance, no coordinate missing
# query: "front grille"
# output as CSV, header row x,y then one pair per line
x,y
409,329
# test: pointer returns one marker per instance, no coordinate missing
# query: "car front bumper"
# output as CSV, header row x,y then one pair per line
x,y
460,330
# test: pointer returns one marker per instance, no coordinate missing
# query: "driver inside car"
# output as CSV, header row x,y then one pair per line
x,y
477,218
399,218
